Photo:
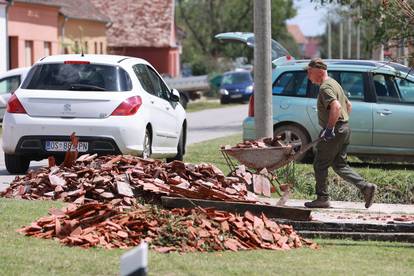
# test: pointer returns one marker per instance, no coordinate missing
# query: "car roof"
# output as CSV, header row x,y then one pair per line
x,y
237,72
357,65
105,59
16,71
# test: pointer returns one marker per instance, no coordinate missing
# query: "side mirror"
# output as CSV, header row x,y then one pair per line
x,y
175,95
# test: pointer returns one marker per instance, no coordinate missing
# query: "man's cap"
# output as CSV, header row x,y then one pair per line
x,y
317,63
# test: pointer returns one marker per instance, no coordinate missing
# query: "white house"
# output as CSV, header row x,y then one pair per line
x,y
3,36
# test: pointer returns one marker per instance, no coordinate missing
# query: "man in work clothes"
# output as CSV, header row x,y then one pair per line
x,y
333,114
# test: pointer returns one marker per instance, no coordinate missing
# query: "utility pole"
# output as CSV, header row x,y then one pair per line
x,y
349,37
263,115
329,36
358,34
341,40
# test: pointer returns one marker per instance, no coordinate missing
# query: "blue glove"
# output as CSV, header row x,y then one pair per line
x,y
328,134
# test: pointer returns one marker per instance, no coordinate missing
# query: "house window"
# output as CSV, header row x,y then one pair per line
x,y
85,50
96,47
76,47
48,48
101,44
28,52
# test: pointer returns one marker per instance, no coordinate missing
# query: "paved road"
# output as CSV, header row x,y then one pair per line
x,y
202,125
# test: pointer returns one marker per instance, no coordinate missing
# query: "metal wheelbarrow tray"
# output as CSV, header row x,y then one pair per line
x,y
270,158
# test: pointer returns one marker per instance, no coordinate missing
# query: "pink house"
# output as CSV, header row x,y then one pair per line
x,y
32,31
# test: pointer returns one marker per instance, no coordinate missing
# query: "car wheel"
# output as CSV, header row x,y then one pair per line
x,y
296,137
147,146
180,149
224,101
16,164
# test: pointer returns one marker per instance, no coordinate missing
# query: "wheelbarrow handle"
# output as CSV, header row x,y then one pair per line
x,y
306,147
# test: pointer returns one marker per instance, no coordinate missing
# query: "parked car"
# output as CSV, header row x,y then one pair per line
x,y
382,96
236,86
114,104
9,82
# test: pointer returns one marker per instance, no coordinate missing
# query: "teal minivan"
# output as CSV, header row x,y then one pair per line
x,y
382,96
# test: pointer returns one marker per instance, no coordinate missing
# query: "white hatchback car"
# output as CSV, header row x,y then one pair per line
x,y
114,104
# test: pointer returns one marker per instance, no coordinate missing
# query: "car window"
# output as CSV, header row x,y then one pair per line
x,y
353,84
406,88
161,89
77,77
385,88
291,84
236,78
9,84
141,71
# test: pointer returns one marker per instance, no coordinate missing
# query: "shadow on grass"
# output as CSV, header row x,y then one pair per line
x,y
365,243
384,166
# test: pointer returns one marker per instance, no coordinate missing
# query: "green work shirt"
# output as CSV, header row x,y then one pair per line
x,y
329,91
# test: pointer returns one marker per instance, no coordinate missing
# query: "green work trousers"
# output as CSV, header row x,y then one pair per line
x,y
332,153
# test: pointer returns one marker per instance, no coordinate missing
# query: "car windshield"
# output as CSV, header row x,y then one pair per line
x,y
77,77
236,78
404,69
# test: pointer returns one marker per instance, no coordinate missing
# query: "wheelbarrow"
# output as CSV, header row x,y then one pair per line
x,y
271,158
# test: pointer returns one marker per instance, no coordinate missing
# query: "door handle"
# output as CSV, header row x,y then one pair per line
x,y
314,108
167,108
152,102
384,112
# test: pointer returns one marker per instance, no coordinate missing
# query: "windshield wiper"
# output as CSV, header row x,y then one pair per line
x,y
86,87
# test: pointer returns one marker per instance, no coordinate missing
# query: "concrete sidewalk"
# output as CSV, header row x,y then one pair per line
x,y
355,212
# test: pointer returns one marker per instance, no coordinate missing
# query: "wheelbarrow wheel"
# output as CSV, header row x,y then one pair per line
x,y
296,137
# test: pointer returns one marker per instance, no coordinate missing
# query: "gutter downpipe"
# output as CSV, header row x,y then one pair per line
x,y
62,40
9,3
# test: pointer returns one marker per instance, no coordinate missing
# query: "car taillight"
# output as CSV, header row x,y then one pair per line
x,y
15,106
128,107
251,106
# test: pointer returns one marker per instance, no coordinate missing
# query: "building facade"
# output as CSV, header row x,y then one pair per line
x,y
3,36
32,31
82,28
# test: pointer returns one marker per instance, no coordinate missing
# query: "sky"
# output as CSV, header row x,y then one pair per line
x,y
310,21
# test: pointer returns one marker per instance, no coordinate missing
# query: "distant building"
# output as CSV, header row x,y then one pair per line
x,y
145,29
3,36
32,31
312,47
309,46
82,27
298,37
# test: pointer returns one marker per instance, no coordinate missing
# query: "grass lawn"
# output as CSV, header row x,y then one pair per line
x,y
207,104
20,255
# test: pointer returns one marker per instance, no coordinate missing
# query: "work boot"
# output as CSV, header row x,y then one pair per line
x,y
369,192
319,202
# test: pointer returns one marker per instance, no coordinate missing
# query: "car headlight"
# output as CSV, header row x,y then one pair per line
x,y
249,89
223,91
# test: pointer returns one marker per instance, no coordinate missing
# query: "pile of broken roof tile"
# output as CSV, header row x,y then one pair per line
x,y
261,143
181,230
104,211
118,179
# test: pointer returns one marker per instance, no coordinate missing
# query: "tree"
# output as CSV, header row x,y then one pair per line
x,y
203,19
387,22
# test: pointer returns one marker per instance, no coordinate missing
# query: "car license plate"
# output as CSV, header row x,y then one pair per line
x,y
236,96
64,146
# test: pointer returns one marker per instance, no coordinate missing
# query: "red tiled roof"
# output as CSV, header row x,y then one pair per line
x,y
139,23
296,33
78,9
81,9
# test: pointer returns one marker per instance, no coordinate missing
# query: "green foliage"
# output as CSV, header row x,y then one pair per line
x,y
202,20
